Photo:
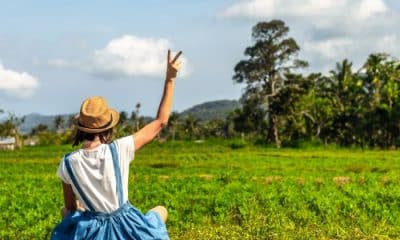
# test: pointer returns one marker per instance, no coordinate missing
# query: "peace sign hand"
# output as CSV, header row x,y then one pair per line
x,y
173,65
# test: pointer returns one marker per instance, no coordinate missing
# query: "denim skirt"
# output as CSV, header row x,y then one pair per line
x,y
126,222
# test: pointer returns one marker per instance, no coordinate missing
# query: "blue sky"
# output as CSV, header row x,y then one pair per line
x,y
53,54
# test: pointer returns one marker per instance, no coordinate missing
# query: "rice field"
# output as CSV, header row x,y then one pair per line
x,y
213,191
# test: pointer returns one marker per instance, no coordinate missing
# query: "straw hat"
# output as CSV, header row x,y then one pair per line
x,y
96,116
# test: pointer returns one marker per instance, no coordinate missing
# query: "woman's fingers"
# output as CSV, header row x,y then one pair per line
x,y
169,55
176,56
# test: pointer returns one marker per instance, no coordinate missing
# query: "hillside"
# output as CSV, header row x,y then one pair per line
x,y
34,119
212,110
205,111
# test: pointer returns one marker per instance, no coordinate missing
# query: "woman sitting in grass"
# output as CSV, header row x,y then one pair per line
x,y
98,173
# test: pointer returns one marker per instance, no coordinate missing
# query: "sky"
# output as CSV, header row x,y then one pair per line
x,y
54,54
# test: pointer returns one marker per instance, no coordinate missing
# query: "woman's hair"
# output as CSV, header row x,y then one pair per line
x,y
80,136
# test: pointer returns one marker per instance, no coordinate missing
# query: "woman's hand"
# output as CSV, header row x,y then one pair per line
x,y
65,211
173,65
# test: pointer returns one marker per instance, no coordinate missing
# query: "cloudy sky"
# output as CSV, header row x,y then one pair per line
x,y
54,54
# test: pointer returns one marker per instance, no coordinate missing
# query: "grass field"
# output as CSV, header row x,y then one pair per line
x,y
215,192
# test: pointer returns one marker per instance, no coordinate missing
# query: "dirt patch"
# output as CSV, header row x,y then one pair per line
x,y
362,180
341,180
386,180
271,179
163,177
301,181
319,181
206,176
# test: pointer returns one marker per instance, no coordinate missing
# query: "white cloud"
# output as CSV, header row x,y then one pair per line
x,y
330,48
17,84
329,30
370,8
126,56
327,9
389,43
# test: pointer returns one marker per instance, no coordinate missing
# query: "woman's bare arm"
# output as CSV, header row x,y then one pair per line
x,y
69,197
69,200
150,131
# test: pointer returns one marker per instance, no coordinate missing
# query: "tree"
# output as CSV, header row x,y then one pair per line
x,y
59,123
70,121
216,128
39,129
10,126
173,123
348,97
191,126
319,108
123,117
382,81
292,108
270,60
137,116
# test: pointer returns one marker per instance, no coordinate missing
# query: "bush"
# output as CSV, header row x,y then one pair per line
x,y
237,144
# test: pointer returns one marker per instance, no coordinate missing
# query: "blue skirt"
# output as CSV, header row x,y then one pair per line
x,y
127,222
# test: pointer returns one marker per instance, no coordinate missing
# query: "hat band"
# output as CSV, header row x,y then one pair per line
x,y
104,126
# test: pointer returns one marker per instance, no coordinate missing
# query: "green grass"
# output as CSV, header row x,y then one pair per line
x,y
215,192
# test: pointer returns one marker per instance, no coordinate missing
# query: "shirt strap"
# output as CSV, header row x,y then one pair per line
x,y
75,183
117,172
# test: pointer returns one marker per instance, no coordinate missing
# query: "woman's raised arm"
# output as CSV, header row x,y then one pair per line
x,y
148,132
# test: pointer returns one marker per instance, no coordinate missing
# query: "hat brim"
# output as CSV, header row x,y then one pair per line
x,y
115,120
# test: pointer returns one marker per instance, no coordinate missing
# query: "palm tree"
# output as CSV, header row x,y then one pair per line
x,y
191,126
341,80
38,129
10,128
123,117
173,123
59,123
137,111
383,77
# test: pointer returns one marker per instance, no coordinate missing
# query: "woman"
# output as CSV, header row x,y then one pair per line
x,y
98,172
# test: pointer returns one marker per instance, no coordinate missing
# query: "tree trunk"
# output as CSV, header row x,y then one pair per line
x,y
318,131
18,141
273,118
276,131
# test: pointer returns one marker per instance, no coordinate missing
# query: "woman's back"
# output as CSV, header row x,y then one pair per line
x,y
93,171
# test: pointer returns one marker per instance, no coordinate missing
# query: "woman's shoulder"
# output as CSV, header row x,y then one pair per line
x,y
126,142
69,156
125,147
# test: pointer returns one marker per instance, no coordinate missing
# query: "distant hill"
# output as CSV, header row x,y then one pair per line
x,y
205,112
212,110
34,119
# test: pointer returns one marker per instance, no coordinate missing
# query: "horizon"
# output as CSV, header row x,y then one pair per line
x,y
50,61
74,113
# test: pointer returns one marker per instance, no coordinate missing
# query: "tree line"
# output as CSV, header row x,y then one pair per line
x,y
282,105
345,107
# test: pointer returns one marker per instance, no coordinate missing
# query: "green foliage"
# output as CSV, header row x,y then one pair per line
x,y
214,192
237,144
344,107
59,123
267,73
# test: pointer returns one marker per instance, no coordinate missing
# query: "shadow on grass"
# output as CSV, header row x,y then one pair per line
x,y
164,165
